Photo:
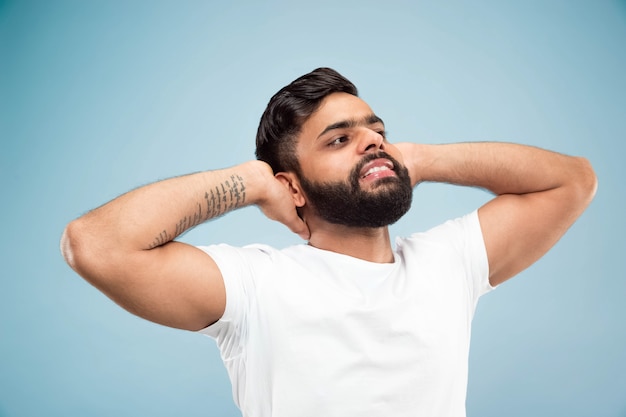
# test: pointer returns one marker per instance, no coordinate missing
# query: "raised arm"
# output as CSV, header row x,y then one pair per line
x,y
539,195
126,248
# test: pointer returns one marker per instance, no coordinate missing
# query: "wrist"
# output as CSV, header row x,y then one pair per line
x,y
418,159
257,175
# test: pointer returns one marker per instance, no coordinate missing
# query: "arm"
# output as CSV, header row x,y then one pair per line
x,y
539,195
126,248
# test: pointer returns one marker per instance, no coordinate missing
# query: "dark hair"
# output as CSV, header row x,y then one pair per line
x,y
287,111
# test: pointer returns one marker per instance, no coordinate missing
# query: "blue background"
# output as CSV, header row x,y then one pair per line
x,y
98,97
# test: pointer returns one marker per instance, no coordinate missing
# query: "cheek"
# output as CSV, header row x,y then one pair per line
x,y
328,167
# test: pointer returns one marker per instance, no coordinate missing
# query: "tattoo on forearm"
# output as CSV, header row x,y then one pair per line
x,y
188,222
226,196
161,239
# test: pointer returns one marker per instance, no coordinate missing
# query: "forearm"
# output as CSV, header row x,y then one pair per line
x,y
502,168
153,215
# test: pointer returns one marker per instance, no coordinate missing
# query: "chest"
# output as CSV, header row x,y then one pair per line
x,y
319,332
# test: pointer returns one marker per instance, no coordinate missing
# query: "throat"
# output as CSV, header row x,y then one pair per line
x,y
372,245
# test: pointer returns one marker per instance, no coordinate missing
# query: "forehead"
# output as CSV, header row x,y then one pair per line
x,y
335,108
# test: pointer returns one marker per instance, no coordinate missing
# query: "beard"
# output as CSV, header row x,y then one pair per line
x,y
346,203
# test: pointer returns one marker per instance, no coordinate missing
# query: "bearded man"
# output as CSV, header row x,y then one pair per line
x,y
346,324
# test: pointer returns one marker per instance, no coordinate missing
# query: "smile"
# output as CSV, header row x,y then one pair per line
x,y
377,168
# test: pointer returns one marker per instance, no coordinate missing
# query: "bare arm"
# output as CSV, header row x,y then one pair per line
x,y
126,248
539,195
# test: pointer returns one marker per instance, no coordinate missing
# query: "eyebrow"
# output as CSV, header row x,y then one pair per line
x,y
345,124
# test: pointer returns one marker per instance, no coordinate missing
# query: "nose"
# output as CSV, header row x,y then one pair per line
x,y
371,141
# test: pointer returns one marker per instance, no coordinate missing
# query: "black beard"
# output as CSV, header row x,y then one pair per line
x,y
346,203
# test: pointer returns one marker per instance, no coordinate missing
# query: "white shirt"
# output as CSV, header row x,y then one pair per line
x,y
307,332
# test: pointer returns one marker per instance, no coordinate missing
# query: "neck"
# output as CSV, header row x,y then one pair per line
x,y
369,244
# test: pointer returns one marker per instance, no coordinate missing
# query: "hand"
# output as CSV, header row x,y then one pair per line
x,y
278,204
410,154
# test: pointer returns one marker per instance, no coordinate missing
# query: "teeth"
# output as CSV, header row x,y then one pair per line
x,y
375,169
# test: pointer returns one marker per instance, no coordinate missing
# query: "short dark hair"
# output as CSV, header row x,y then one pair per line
x,y
287,111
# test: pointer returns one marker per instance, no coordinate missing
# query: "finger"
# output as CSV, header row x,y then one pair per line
x,y
299,227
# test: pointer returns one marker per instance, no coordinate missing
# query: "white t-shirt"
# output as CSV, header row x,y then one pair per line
x,y
308,332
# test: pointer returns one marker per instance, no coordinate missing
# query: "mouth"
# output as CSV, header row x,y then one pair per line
x,y
378,168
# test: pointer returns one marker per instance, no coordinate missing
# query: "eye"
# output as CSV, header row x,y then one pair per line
x,y
338,141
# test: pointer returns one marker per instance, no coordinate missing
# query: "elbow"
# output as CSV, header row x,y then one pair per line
x,y
587,181
76,247
69,244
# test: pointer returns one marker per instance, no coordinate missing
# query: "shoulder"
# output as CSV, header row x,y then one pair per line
x,y
253,256
458,240
458,231
453,248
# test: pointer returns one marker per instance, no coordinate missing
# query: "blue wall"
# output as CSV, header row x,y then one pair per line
x,y
98,97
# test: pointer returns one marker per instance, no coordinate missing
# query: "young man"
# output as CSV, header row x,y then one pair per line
x,y
346,324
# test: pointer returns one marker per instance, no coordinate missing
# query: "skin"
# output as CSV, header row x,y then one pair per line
x,y
126,247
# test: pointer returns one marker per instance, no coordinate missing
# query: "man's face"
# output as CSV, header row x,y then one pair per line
x,y
350,174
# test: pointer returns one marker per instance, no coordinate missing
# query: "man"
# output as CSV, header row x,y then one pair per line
x,y
345,325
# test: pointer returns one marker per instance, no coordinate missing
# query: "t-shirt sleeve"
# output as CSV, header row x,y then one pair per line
x,y
475,254
239,281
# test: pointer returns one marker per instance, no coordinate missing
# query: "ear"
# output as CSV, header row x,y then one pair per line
x,y
290,180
